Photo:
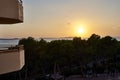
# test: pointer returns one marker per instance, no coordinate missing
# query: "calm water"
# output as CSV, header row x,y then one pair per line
x,y
13,42
8,43
52,39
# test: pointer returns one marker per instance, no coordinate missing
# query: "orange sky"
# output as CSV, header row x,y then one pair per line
x,y
60,18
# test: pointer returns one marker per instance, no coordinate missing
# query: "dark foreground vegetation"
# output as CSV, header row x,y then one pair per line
x,y
96,55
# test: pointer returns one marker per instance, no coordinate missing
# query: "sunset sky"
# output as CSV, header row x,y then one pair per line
x,y
66,18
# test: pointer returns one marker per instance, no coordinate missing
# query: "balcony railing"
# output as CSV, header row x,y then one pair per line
x,y
20,1
11,11
11,59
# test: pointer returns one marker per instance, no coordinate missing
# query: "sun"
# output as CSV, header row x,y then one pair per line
x,y
80,30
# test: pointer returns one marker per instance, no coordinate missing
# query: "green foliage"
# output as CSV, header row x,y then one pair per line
x,y
72,56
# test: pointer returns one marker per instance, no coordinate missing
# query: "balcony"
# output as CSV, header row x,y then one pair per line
x,y
11,11
11,59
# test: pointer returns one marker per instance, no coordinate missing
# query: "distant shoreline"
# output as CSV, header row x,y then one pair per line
x,y
51,38
9,38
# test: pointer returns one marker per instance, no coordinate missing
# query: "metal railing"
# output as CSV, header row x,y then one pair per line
x,y
13,49
20,1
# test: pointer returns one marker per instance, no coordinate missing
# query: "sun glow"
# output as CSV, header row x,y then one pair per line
x,y
80,31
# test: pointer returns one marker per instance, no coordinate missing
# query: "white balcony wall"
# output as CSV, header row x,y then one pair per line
x,y
11,11
11,61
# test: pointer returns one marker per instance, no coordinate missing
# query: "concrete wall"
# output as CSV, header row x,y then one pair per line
x,y
20,8
8,8
11,61
11,9
22,59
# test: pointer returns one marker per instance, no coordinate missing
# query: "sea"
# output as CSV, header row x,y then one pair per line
x,y
5,43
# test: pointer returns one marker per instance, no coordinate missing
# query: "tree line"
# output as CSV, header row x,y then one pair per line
x,y
78,56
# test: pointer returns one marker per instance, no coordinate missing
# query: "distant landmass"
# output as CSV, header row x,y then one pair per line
x,y
9,38
51,38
